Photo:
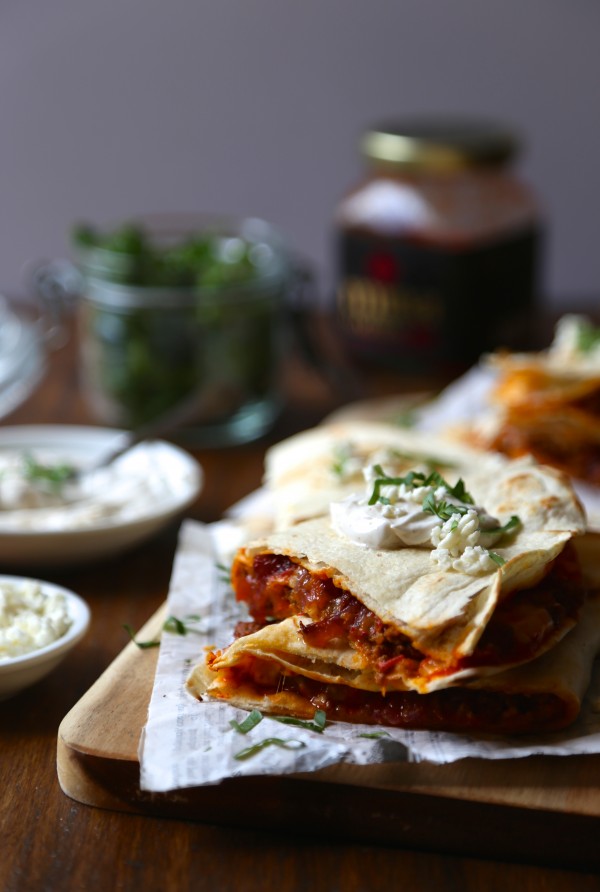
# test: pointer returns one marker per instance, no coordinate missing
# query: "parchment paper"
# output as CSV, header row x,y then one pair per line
x,y
187,743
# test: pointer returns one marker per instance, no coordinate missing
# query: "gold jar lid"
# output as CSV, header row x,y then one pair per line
x,y
438,144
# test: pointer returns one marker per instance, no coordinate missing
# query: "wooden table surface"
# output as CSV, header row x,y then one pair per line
x,y
50,842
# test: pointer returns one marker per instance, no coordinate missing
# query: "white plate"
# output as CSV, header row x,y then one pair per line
x,y
22,359
17,673
158,481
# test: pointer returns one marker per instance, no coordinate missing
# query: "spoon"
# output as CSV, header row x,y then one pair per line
x,y
59,478
160,426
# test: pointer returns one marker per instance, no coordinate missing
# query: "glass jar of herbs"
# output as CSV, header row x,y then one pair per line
x,y
171,312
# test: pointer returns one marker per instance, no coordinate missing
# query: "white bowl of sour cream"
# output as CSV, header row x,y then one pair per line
x,y
110,510
39,624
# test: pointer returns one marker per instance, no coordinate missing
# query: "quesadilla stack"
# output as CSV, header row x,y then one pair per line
x,y
547,404
447,594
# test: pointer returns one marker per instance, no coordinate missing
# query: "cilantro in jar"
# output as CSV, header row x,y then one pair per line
x,y
165,313
131,255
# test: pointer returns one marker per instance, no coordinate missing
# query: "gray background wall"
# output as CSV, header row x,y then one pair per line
x,y
114,107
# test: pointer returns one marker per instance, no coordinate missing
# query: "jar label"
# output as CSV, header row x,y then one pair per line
x,y
424,307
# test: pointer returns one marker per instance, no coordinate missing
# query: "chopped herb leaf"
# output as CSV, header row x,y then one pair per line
x,y
52,475
417,479
588,337
224,572
340,460
460,492
172,624
141,644
317,724
443,510
510,526
375,735
181,626
411,479
497,558
407,418
250,722
268,741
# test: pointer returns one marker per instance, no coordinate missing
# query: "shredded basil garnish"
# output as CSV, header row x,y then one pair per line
x,y
510,526
588,337
341,455
268,741
443,510
251,721
317,724
224,572
406,418
181,626
384,479
141,644
375,735
416,479
171,624
459,491
55,476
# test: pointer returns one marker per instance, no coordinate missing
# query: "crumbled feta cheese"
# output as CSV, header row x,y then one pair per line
x,y
457,533
30,618
473,560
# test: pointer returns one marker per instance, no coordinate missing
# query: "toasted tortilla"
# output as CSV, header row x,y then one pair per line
x,y
546,404
273,670
444,612
307,471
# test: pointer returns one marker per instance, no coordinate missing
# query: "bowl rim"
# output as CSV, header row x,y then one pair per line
x,y
80,614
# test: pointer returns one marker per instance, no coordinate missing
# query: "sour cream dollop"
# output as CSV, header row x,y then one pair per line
x,y
383,525
130,488
407,514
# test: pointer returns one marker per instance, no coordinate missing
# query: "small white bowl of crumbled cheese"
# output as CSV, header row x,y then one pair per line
x,y
39,623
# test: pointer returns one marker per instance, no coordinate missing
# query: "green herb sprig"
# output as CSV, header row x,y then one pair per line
x,y
588,337
143,645
375,735
341,456
53,476
416,479
289,744
171,624
511,526
442,509
255,717
251,721
224,572
317,724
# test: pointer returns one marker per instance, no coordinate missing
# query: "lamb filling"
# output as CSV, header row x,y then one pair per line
x,y
275,587
451,709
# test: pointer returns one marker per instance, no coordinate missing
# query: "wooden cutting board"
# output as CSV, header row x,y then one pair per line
x,y
542,809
